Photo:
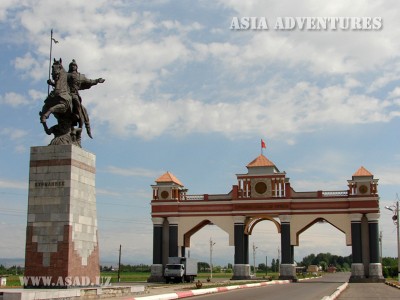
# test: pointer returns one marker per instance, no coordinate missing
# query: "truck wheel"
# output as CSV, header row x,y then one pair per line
x,y
167,280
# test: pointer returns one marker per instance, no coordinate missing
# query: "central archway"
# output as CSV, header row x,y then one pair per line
x,y
265,193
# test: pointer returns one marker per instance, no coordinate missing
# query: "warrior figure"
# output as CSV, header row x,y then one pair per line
x,y
76,82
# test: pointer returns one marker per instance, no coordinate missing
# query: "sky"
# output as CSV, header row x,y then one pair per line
x,y
188,92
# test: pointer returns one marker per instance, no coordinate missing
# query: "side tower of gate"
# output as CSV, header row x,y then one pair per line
x,y
265,193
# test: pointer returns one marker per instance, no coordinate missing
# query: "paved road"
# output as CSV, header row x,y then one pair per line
x,y
373,291
313,289
308,290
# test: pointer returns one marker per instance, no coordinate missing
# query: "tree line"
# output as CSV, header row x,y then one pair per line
x,y
324,260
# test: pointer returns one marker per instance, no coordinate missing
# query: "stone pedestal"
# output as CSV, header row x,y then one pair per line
x,y
156,273
241,272
61,235
287,272
375,272
357,272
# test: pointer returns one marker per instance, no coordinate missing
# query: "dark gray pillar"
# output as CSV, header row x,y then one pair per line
x,y
373,228
173,237
356,245
357,266
183,251
241,268
287,251
375,267
246,248
287,269
239,244
158,251
292,254
157,243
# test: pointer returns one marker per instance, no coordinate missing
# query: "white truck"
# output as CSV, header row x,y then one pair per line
x,y
180,269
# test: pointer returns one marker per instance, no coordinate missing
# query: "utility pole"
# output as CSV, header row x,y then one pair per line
x,y
119,264
254,259
395,219
380,247
211,250
266,265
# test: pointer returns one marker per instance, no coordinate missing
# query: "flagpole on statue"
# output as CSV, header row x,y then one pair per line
x,y
51,48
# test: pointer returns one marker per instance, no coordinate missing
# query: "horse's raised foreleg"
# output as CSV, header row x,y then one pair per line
x,y
60,108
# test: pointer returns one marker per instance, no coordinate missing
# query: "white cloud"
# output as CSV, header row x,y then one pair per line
x,y
13,133
37,95
133,172
395,93
138,53
10,184
13,99
389,175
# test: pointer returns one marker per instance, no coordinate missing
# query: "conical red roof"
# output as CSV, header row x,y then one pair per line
x,y
362,172
169,177
261,161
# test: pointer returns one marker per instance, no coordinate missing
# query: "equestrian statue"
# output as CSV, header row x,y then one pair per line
x,y
65,103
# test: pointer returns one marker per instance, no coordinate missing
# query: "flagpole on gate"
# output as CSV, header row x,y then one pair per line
x,y
262,146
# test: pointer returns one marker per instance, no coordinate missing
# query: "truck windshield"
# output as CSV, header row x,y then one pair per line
x,y
174,267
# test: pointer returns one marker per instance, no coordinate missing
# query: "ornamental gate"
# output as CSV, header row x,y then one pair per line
x,y
265,193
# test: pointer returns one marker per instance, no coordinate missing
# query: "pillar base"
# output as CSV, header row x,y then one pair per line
x,y
375,272
357,272
156,273
287,272
241,272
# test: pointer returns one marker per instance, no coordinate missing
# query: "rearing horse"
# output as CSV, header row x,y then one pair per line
x,y
59,101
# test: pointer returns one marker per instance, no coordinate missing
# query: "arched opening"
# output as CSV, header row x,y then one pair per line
x,y
322,237
264,244
209,244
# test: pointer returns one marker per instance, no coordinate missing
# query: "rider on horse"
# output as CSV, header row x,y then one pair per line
x,y
66,104
76,82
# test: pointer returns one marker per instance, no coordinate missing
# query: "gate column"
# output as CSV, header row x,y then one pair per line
x,y
287,267
357,267
241,268
375,266
173,237
157,266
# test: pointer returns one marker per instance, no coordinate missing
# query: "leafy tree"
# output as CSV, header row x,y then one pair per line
x,y
273,265
203,267
262,267
389,267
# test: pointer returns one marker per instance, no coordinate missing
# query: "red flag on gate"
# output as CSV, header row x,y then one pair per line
x,y
263,145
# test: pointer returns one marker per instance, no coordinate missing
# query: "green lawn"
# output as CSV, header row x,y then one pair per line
x,y
13,280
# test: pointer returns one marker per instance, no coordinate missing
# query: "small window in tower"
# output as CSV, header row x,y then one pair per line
x,y
260,187
164,194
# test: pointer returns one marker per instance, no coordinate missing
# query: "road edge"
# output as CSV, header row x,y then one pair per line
x,y
190,293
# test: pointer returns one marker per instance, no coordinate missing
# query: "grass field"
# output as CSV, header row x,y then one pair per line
x,y
14,280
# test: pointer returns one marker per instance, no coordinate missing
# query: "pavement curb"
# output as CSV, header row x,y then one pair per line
x,y
392,284
205,291
336,293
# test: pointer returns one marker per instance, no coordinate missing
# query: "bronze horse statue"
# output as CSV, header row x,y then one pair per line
x,y
59,103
